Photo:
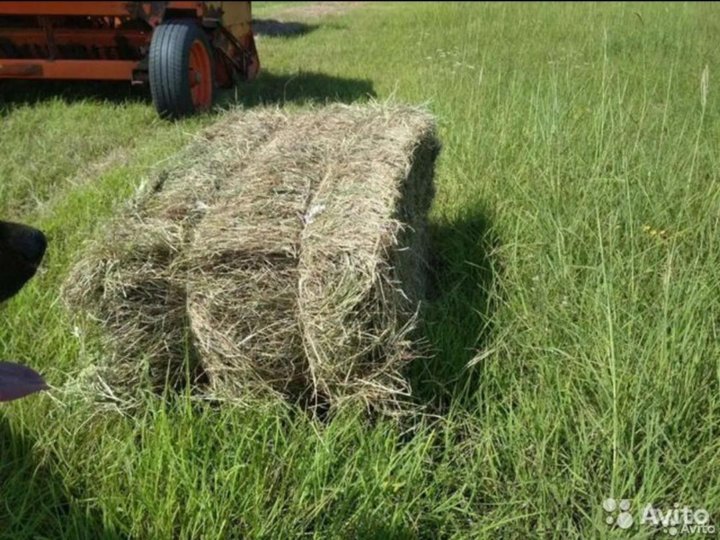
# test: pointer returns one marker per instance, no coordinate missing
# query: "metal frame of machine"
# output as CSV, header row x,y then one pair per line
x,y
184,50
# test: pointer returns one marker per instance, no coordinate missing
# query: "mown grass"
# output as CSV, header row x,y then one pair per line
x,y
575,232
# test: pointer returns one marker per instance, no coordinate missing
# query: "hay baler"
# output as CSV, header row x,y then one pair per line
x,y
183,50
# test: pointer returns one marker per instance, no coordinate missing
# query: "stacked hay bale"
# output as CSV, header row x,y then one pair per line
x,y
283,253
131,279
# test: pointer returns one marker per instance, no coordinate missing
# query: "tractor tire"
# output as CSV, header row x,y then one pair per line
x,y
181,69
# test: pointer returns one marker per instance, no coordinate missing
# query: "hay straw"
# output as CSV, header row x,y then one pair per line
x,y
125,284
289,248
355,309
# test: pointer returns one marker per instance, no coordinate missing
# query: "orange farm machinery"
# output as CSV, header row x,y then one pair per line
x,y
183,50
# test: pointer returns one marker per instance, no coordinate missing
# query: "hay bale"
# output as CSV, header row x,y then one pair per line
x,y
289,247
126,283
201,174
242,293
363,258
130,279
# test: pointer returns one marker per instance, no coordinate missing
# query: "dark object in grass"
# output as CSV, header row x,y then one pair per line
x,y
21,250
18,381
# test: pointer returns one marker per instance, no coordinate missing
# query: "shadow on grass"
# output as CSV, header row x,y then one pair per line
x,y
268,89
298,88
16,93
34,502
275,28
457,319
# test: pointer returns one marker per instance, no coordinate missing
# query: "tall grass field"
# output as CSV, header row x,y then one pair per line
x,y
574,322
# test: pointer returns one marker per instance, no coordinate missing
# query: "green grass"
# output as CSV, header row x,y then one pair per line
x,y
575,233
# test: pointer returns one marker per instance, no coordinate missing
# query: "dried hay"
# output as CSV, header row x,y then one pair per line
x,y
280,253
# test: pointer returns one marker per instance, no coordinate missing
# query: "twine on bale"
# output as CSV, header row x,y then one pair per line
x,y
285,251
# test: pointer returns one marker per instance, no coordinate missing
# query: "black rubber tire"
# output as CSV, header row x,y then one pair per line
x,y
168,66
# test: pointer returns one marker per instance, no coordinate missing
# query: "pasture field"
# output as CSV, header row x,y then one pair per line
x,y
575,317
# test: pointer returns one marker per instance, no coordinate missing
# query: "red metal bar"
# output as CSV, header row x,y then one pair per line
x,y
91,9
82,36
94,9
107,70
